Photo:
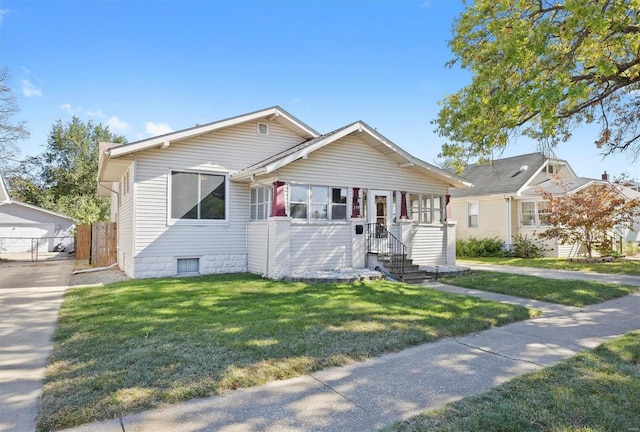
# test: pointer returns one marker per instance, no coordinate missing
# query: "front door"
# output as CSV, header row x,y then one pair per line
x,y
379,213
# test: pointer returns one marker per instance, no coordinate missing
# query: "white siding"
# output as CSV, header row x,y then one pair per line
x,y
223,151
428,244
320,246
22,221
351,162
257,249
492,218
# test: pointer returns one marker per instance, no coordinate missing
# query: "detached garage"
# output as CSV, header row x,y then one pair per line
x,y
26,228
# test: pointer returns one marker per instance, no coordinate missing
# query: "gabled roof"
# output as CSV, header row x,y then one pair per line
x,y
115,170
369,134
504,176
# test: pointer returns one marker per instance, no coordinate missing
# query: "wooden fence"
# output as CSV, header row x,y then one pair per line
x,y
98,243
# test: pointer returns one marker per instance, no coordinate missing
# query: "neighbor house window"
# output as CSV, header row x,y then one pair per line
x,y
534,213
317,202
197,196
473,214
260,200
544,211
188,265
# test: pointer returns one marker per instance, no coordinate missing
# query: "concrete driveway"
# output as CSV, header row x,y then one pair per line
x,y
30,296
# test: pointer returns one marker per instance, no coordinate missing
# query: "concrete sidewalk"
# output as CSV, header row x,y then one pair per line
x,y
559,274
369,395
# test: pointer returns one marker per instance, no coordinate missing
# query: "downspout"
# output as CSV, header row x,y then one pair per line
x,y
509,221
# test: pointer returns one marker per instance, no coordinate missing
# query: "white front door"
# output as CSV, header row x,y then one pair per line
x,y
379,212
380,207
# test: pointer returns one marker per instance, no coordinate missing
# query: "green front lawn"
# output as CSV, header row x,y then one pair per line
x,y
137,344
593,391
567,292
627,267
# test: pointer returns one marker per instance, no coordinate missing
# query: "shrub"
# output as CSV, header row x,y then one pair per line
x,y
474,247
525,247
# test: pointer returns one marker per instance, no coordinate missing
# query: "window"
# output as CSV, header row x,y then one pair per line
x,y
544,211
437,209
197,196
317,202
298,198
534,213
427,215
260,202
188,265
473,214
414,206
339,203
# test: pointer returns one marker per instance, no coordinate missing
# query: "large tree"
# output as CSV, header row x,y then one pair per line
x,y
539,69
11,130
589,216
63,178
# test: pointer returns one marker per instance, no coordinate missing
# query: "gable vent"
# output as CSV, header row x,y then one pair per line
x,y
263,129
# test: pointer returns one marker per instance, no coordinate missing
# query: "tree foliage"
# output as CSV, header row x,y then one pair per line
x,y
539,69
589,216
63,178
11,131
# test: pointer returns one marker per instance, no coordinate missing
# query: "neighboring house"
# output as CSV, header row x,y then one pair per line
x,y
631,191
27,228
506,200
265,193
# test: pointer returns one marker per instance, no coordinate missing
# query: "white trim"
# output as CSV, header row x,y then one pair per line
x,y
40,209
477,203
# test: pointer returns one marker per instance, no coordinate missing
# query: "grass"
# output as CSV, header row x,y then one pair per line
x,y
138,344
626,267
567,292
597,390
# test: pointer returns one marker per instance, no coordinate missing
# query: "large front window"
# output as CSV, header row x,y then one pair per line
x,y
197,195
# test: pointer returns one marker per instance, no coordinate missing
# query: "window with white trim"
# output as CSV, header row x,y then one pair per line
x,y
199,196
260,202
298,201
473,214
534,213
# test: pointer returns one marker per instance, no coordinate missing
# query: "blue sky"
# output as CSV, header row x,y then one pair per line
x,y
146,67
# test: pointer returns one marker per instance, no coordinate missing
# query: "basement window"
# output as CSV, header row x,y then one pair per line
x,y
188,265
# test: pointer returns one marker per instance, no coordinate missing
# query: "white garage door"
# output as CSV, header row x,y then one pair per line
x,y
25,238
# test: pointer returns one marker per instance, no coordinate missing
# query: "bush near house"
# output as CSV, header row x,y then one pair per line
x,y
475,247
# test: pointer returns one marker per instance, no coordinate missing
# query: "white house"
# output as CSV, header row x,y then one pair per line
x,y
27,228
265,193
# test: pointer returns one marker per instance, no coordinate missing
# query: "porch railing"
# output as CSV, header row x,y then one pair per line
x,y
385,244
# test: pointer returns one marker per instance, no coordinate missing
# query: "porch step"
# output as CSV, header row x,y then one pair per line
x,y
412,272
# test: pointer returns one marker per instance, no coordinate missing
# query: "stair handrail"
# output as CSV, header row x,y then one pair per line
x,y
392,248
